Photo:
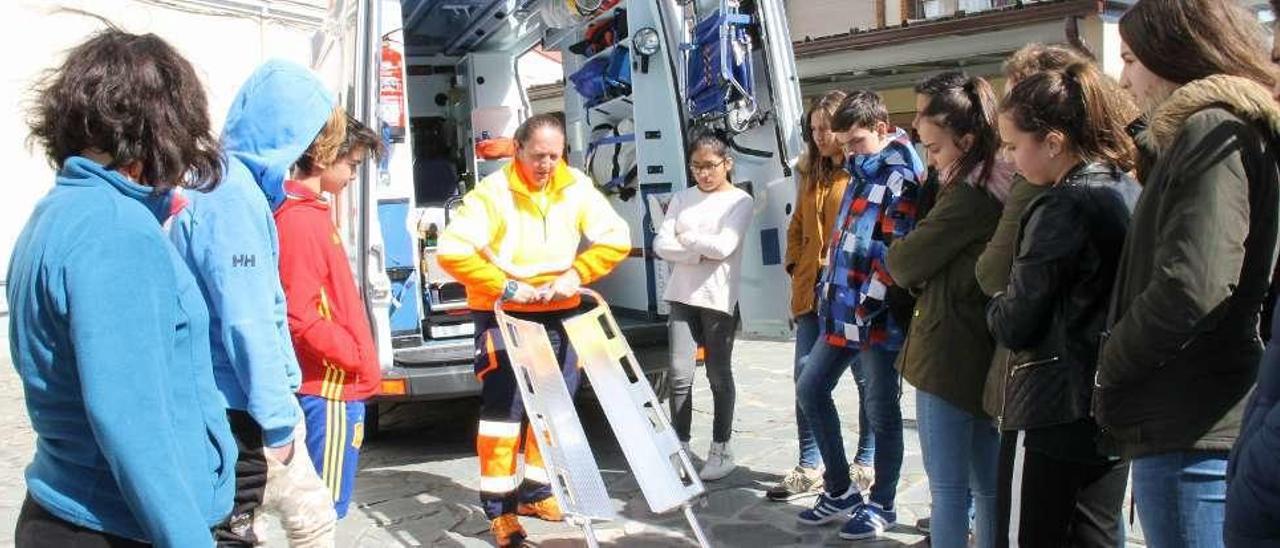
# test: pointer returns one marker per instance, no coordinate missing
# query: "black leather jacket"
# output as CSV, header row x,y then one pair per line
x,y
1055,306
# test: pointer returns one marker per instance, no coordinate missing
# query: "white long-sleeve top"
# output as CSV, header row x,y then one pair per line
x,y
702,237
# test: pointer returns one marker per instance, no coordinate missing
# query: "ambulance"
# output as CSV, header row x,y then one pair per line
x,y
440,80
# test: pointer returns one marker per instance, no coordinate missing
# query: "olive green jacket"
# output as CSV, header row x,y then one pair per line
x,y
948,349
1183,349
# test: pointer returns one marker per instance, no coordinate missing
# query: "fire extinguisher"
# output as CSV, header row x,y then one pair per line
x,y
391,105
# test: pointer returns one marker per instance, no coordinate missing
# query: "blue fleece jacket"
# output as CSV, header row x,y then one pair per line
x,y
228,238
109,334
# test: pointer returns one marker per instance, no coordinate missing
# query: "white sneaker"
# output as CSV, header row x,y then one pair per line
x,y
719,462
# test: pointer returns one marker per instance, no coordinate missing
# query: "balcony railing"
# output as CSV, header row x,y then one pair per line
x,y
933,9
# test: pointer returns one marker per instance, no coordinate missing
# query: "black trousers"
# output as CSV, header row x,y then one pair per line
x,y
1044,502
251,483
37,528
691,327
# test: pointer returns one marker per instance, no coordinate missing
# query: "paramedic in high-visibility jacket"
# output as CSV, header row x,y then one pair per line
x,y
518,237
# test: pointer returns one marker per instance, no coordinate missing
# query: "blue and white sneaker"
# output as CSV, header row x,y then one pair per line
x,y
869,521
829,508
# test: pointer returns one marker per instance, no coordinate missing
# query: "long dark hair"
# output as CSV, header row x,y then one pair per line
x,y
965,106
1186,40
135,98
1075,102
814,166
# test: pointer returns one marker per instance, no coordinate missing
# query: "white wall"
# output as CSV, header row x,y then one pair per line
x,y
1102,35
224,50
818,18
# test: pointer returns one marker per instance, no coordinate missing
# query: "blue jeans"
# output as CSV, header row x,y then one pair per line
x,y
961,458
806,336
822,370
1181,498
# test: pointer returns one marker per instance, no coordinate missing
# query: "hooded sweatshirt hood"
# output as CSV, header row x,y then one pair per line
x,y
274,118
1246,98
896,152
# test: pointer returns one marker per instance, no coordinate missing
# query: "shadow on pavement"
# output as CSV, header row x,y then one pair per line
x,y
417,488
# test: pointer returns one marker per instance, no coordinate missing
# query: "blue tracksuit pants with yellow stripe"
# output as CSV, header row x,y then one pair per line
x,y
335,432
511,469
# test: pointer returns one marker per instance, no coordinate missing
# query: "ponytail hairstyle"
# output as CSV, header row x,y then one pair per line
x,y
813,165
536,122
1033,58
965,106
1075,102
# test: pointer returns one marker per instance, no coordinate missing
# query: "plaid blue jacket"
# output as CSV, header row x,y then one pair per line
x,y
879,205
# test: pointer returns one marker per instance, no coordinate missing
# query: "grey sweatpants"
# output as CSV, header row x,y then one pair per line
x,y
691,327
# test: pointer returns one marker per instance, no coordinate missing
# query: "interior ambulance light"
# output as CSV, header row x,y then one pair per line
x,y
646,43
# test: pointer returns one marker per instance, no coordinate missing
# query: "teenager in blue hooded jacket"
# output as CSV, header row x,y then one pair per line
x,y
107,328
228,238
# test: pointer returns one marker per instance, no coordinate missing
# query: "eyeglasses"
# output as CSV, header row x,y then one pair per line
x,y
696,168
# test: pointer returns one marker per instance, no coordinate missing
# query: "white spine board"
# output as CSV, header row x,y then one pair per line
x,y
571,467
665,475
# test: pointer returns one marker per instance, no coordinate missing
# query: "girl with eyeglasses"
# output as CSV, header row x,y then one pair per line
x,y
702,237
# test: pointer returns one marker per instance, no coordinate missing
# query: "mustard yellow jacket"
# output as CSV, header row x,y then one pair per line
x,y
808,235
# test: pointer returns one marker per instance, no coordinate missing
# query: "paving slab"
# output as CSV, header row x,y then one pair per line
x,y
418,479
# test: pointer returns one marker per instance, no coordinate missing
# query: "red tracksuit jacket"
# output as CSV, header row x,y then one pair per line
x,y
327,318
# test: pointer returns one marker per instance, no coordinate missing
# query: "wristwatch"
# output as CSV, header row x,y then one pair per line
x,y
510,290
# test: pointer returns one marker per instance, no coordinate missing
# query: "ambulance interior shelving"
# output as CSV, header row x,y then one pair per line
x,y
446,91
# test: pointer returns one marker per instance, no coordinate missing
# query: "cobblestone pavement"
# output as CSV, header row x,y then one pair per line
x,y
417,485
418,479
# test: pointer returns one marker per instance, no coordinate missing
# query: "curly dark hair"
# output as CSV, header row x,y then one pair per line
x,y
134,98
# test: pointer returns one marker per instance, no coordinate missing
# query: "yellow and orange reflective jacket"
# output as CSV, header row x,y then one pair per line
x,y
506,231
